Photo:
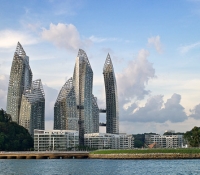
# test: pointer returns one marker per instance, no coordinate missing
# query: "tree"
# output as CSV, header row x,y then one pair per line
x,y
13,137
4,117
193,137
139,140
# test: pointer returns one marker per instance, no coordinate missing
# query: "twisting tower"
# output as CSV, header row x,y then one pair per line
x,y
20,80
65,108
83,83
112,110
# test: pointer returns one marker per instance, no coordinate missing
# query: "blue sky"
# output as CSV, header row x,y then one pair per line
x,y
154,46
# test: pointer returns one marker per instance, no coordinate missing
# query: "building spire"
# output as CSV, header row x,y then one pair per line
x,y
19,50
108,63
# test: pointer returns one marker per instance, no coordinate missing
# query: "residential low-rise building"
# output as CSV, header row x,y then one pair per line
x,y
63,140
60,140
109,141
165,141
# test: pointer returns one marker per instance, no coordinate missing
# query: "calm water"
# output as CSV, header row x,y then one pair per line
x,y
89,166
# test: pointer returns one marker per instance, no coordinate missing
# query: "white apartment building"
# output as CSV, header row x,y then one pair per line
x,y
165,141
111,141
61,140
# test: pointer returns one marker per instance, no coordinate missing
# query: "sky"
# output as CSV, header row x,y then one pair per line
x,y
154,46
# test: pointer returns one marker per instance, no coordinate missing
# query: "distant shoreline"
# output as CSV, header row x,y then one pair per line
x,y
187,153
146,156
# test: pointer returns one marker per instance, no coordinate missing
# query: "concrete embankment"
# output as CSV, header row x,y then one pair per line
x,y
145,156
45,155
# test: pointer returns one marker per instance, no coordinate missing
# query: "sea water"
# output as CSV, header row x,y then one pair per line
x,y
99,167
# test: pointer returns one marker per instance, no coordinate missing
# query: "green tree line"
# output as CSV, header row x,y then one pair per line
x,y
193,137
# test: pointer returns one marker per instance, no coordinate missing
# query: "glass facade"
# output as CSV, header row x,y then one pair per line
x,y
76,107
112,109
83,84
20,81
65,108
25,99
32,111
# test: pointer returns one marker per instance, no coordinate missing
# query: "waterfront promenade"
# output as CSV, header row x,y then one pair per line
x,y
86,154
44,155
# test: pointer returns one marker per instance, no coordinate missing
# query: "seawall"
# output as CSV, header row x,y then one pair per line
x,y
45,155
145,156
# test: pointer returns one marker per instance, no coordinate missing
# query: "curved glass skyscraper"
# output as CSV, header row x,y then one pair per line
x,y
20,80
112,109
25,99
76,107
83,84
65,108
32,111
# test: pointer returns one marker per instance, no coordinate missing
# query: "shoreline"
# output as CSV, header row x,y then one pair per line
x,y
146,156
87,155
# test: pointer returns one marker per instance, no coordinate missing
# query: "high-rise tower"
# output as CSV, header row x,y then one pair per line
x,y
95,115
112,109
20,80
65,108
83,83
32,111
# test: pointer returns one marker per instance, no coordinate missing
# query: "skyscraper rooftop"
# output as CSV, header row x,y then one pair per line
x,y
19,50
83,56
65,90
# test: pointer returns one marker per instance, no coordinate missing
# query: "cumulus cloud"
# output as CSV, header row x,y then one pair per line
x,y
64,36
3,90
132,80
195,112
155,110
9,38
155,41
187,48
173,110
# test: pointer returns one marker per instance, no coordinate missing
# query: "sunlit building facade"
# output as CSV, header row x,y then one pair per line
x,y
65,108
55,140
83,84
112,109
109,141
32,111
165,141
20,80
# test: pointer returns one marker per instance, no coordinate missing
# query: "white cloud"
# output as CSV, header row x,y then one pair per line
x,y
132,80
131,127
155,110
187,48
64,36
9,38
195,112
100,40
155,41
